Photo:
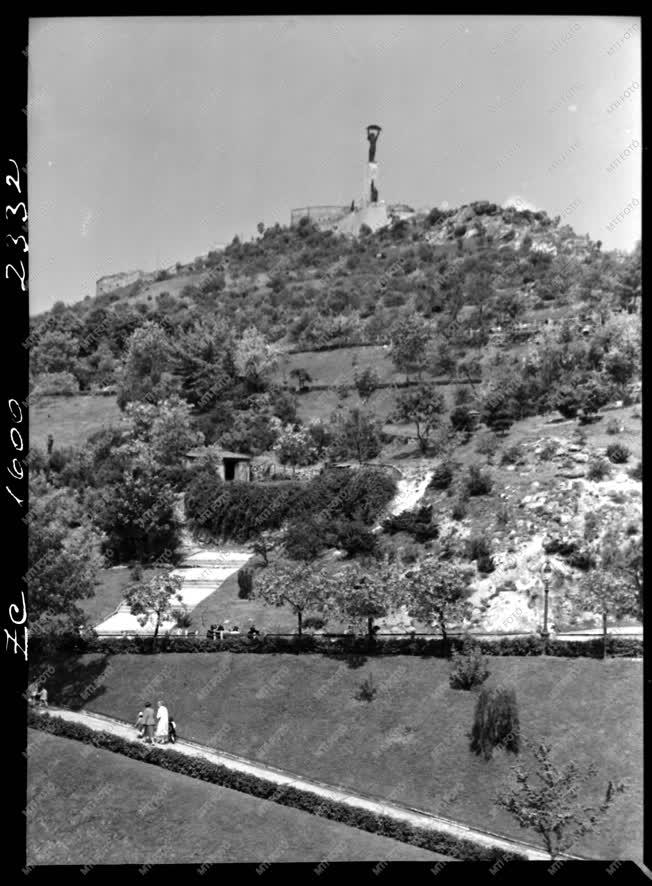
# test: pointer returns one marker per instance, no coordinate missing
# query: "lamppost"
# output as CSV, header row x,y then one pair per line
x,y
546,572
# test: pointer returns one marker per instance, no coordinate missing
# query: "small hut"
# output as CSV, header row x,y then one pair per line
x,y
231,465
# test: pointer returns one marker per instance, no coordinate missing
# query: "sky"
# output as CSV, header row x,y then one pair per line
x,y
153,139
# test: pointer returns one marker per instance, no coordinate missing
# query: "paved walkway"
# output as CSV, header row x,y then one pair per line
x,y
399,812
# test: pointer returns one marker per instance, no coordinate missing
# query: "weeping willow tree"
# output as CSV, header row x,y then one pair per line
x,y
495,722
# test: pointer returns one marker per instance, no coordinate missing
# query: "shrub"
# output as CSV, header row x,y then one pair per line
x,y
503,516
245,583
617,453
469,667
547,451
613,426
462,420
58,384
314,622
462,396
485,564
237,510
136,572
598,469
460,508
477,546
417,523
442,476
636,473
478,482
305,538
354,537
367,691
496,722
513,455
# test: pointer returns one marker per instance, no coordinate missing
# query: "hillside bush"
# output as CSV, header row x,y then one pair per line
x,y
237,510
342,492
417,522
468,667
442,476
478,482
636,473
354,537
613,426
460,507
462,419
513,455
55,384
598,469
618,453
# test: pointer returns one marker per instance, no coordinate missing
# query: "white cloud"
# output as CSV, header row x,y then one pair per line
x,y
519,202
572,108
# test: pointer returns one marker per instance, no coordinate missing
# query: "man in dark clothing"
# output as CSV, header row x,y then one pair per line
x,y
149,721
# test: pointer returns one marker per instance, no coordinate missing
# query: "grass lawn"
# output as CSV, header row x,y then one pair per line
x,y
70,420
91,806
410,743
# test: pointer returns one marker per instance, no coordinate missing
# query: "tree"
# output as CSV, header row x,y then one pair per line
x,y
254,358
497,412
55,351
365,591
495,723
366,382
155,600
147,369
138,515
355,434
547,800
298,585
296,447
64,559
437,593
166,427
606,588
423,407
409,340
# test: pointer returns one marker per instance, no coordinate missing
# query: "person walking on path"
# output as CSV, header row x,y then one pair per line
x,y
162,724
172,734
149,721
43,697
140,724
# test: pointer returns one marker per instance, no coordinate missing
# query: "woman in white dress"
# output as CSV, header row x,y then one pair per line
x,y
162,724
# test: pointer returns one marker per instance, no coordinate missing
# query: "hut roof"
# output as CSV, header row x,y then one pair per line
x,y
201,451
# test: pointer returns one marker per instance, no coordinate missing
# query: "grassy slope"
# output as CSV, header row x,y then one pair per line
x,y
70,420
109,592
410,742
107,809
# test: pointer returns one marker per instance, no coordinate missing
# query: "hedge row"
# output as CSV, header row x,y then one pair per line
x,y
257,786
310,643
